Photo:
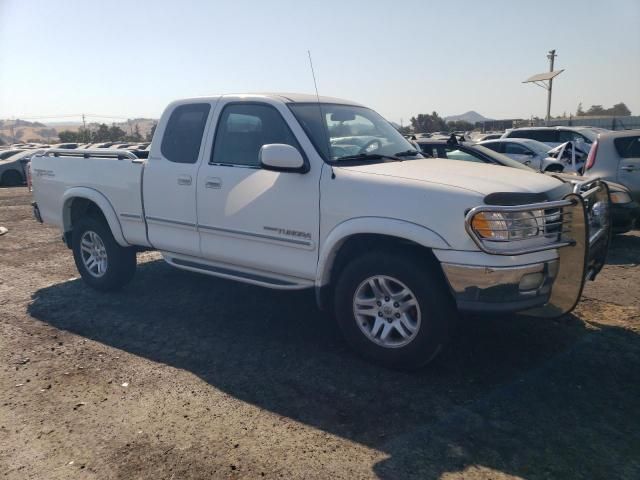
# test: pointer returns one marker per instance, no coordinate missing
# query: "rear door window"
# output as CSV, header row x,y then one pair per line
x,y
628,147
183,136
568,136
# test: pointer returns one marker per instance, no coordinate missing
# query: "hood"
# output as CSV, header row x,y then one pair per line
x,y
481,178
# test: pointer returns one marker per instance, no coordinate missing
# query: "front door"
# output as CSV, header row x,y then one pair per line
x,y
169,183
252,217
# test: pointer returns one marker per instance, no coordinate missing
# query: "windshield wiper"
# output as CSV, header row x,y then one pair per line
x,y
369,156
407,153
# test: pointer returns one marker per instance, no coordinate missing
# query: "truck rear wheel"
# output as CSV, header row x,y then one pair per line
x,y
393,310
102,263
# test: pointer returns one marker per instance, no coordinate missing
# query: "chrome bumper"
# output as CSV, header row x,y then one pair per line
x,y
582,243
501,289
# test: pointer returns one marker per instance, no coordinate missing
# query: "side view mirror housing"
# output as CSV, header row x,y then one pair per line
x,y
282,158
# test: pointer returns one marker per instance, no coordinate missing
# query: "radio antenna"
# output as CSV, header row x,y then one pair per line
x,y
322,122
313,74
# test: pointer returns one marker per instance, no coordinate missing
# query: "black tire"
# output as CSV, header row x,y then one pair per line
x,y
434,300
121,261
12,178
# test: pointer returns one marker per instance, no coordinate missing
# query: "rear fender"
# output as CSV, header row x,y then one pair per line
x,y
103,204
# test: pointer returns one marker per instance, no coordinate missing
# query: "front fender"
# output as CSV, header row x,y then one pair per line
x,y
101,201
372,225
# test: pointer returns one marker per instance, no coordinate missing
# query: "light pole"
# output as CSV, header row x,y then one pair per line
x,y
540,79
551,56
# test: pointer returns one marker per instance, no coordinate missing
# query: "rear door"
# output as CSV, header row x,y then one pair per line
x,y
169,182
629,167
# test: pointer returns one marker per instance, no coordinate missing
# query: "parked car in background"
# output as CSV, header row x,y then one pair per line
x,y
488,136
615,156
554,136
526,151
69,146
4,154
13,169
625,211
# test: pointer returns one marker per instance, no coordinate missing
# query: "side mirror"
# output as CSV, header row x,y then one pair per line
x,y
282,158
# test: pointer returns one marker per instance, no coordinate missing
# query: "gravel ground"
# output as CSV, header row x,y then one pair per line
x,y
182,376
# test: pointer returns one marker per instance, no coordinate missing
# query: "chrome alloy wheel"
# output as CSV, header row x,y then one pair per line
x,y
94,254
386,311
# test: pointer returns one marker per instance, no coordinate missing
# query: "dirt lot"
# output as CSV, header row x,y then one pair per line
x,y
183,376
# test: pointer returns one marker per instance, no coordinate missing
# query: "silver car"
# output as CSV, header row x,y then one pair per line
x,y
615,156
554,136
13,168
531,153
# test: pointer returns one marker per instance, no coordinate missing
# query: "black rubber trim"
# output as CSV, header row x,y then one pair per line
x,y
502,307
228,271
522,198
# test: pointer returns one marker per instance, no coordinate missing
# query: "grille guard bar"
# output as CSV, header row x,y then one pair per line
x,y
587,243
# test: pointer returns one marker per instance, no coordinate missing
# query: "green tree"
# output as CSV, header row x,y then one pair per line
x,y
596,110
67,136
135,136
151,132
101,134
116,133
425,123
620,110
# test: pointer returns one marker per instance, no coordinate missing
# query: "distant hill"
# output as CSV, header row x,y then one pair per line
x,y
470,116
23,131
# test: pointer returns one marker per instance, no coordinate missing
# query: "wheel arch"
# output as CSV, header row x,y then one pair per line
x,y
363,234
79,201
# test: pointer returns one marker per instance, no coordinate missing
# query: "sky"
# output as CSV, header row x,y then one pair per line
x,y
130,58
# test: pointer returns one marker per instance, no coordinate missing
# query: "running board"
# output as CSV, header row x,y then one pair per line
x,y
259,279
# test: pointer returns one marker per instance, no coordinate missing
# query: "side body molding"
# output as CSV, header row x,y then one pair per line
x,y
372,225
103,203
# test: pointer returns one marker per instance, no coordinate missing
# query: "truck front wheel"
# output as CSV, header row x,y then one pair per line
x,y
102,263
393,310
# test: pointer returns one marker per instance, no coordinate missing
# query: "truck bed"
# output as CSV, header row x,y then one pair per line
x,y
113,176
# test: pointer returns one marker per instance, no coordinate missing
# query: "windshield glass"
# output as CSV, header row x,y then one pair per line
x,y
351,130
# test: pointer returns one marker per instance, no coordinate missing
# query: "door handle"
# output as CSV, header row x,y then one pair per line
x,y
213,182
184,180
629,168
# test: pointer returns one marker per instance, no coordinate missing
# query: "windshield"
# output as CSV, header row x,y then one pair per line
x,y
351,131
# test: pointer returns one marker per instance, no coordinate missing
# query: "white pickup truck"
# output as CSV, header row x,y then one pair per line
x,y
295,191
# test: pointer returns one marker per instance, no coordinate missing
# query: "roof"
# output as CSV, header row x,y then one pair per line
x,y
281,96
309,98
553,127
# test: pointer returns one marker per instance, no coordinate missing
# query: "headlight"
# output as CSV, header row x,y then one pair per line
x,y
504,226
620,197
